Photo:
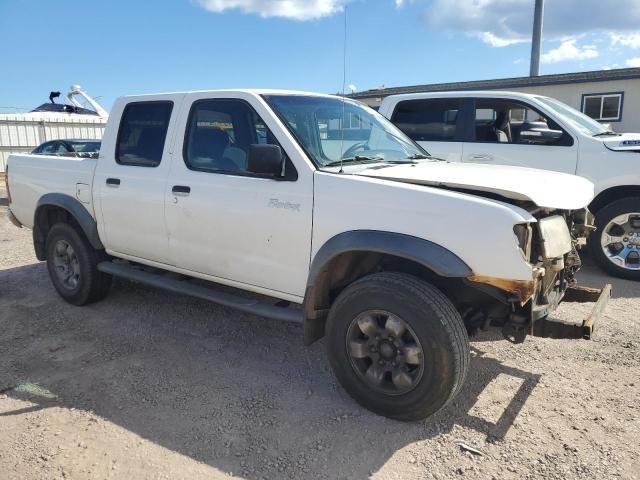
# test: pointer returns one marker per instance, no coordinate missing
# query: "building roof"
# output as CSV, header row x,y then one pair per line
x,y
506,83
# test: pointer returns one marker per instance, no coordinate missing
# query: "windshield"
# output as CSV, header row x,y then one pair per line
x,y
578,119
332,130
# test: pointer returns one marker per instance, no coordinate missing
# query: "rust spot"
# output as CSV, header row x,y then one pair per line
x,y
522,289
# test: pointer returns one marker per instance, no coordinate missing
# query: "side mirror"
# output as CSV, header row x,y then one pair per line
x,y
265,160
541,135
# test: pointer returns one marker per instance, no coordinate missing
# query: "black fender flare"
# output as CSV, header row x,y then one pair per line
x,y
76,209
434,257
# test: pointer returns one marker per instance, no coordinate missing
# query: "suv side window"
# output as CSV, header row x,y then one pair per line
x,y
434,119
142,133
502,120
219,134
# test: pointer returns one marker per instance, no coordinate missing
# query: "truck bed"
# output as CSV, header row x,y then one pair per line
x,y
31,176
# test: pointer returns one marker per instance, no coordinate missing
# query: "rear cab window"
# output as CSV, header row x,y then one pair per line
x,y
142,133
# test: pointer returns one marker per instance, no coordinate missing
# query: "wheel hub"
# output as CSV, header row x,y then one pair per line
x,y
385,352
66,264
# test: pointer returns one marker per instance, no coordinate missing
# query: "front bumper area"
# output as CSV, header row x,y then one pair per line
x,y
552,328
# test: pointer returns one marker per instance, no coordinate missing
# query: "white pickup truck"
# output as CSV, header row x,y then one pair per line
x,y
513,128
329,212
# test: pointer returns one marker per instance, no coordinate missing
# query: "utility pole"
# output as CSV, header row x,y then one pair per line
x,y
536,41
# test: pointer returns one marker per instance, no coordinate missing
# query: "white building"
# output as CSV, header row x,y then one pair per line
x,y
610,96
22,132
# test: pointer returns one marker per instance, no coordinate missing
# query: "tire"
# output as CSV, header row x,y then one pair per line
x,y
604,217
70,255
432,324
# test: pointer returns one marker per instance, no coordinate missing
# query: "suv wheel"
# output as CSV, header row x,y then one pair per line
x,y
397,345
615,245
73,266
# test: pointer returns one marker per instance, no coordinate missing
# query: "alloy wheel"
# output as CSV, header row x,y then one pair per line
x,y
620,241
67,266
385,352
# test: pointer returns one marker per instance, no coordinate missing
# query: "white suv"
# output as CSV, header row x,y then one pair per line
x,y
515,128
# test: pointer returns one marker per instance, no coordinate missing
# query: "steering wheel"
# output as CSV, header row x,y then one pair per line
x,y
351,151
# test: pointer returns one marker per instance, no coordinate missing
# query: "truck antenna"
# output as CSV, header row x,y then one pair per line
x,y
344,86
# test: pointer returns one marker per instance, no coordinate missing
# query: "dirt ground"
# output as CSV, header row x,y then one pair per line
x,y
151,385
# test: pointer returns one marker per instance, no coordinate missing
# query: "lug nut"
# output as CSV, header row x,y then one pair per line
x,y
381,362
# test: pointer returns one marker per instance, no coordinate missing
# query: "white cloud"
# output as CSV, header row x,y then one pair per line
x,y
568,50
290,9
633,62
505,22
626,40
495,41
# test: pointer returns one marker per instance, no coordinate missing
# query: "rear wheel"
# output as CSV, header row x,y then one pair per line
x,y
73,266
615,245
397,345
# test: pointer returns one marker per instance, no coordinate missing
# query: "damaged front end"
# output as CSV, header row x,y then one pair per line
x,y
551,246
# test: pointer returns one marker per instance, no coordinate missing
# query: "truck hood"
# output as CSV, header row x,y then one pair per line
x,y
623,143
544,188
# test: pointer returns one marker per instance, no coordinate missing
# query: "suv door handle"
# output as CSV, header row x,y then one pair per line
x,y
113,182
181,190
482,156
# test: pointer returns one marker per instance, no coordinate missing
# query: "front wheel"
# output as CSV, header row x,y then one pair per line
x,y
397,345
615,245
73,266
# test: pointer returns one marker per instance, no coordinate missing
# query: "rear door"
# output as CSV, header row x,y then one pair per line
x,y
495,137
437,124
129,184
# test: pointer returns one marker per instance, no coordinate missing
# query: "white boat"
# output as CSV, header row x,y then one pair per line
x,y
22,132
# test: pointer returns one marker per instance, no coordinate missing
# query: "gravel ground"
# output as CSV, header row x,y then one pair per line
x,y
153,385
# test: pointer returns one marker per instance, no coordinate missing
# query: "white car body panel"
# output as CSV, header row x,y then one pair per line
x,y
344,203
545,189
605,161
33,176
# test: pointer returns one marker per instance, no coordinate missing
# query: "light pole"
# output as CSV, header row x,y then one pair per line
x,y
536,41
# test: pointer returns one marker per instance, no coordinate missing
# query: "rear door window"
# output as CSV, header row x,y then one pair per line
x,y
143,132
429,119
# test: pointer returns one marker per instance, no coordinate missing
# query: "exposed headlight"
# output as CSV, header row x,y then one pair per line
x,y
523,234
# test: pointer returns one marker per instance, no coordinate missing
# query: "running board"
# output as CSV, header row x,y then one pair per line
x,y
164,282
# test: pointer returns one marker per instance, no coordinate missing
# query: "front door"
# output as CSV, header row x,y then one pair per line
x,y
226,222
495,138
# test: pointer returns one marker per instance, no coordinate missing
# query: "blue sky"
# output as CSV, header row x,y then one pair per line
x,y
120,47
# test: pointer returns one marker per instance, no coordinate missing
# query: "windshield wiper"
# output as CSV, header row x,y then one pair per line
x,y
354,159
608,132
418,156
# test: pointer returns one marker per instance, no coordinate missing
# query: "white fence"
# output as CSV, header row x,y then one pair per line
x,y
20,133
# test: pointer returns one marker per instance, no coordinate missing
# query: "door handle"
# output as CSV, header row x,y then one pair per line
x,y
482,156
181,190
113,182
